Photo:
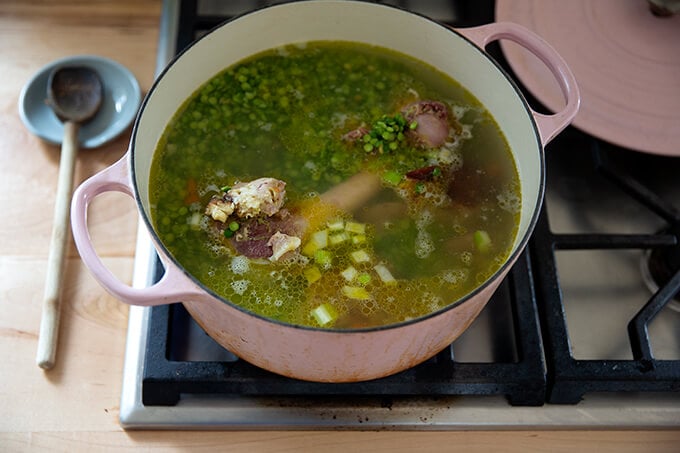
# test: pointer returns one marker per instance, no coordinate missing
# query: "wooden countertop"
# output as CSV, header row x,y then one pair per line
x,y
74,407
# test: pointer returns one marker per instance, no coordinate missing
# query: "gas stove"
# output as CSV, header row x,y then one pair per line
x,y
583,332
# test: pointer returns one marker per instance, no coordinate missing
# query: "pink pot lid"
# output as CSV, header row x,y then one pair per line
x,y
626,62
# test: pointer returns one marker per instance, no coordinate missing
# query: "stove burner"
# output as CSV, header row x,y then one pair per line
x,y
659,265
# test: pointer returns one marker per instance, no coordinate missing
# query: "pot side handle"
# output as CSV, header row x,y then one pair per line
x,y
548,125
172,287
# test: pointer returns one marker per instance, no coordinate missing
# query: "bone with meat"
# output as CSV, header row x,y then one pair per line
x,y
268,231
249,199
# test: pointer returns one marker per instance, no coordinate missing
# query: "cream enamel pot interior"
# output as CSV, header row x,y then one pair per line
x,y
310,353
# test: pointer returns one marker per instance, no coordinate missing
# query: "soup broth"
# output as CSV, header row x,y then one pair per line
x,y
430,211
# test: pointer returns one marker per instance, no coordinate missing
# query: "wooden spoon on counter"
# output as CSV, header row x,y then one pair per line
x,y
75,95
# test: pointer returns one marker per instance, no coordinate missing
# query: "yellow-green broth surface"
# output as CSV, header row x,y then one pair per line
x,y
284,114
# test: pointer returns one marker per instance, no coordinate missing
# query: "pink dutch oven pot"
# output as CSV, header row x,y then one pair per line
x,y
312,353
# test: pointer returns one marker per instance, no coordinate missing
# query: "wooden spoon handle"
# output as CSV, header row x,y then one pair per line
x,y
49,323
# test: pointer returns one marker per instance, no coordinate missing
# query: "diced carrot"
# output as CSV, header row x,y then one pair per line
x,y
192,192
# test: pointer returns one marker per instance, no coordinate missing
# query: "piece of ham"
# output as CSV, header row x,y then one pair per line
x,y
281,244
263,196
254,235
432,121
355,134
264,229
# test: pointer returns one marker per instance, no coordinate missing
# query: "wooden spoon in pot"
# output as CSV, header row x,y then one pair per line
x,y
75,95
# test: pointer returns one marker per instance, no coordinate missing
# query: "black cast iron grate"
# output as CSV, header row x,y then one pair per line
x,y
519,375
569,379
521,381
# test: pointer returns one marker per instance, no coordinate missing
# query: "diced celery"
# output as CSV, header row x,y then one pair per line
x,y
356,292
325,314
309,249
312,274
336,225
195,221
338,238
482,240
364,278
319,240
323,258
349,273
360,256
358,239
355,227
384,274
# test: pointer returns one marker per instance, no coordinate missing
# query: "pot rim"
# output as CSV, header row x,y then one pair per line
x,y
499,273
